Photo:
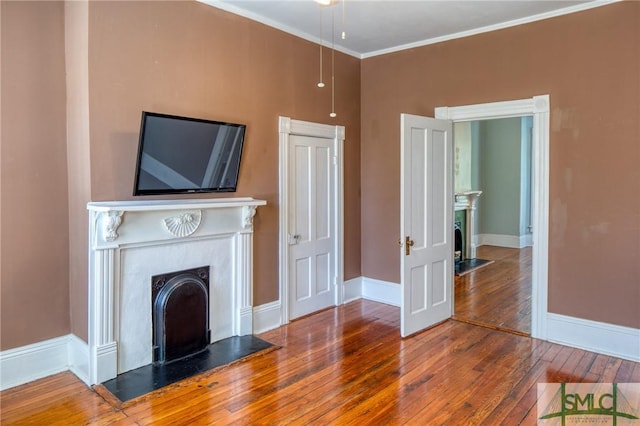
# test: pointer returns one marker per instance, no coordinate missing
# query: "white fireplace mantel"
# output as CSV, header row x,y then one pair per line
x,y
130,241
468,201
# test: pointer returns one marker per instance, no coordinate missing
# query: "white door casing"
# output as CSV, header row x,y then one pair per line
x,y
426,222
311,217
538,107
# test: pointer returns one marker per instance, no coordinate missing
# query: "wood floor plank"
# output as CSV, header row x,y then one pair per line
x,y
610,370
439,374
335,382
382,379
517,402
349,377
418,367
635,376
343,366
625,372
512,363
497,295
56,400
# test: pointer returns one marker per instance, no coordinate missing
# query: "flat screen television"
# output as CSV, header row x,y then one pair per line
x,y
178,155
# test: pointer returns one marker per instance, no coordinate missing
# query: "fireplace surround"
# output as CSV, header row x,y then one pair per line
x,y
132,241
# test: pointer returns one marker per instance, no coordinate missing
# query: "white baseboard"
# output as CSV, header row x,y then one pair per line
x,y
105,363
35,361
267,317
352,290
511,241
246,321
79,357
381,291
604,338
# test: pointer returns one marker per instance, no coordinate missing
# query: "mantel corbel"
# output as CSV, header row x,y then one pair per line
x,y
110,222
248,212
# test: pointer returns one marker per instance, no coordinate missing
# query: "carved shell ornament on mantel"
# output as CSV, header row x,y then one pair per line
x,y
183,224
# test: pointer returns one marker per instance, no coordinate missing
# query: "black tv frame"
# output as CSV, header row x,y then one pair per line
x,y
168,191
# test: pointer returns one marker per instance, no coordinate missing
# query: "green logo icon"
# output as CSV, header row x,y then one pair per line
x,y
589,403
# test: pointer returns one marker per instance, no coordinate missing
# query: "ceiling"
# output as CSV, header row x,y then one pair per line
x,y
382,26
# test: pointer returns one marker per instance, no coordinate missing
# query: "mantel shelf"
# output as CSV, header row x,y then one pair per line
x,y
155,205
466,200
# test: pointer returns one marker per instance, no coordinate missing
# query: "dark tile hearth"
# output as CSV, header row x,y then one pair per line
x,y
140,381
469,265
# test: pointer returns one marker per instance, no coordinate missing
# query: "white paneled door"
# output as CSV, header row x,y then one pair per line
x,y
311,186
426,222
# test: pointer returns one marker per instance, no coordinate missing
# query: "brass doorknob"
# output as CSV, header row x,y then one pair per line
x,y
408,243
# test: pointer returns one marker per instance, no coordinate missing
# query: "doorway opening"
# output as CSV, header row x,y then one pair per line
x,y
492,168
538,108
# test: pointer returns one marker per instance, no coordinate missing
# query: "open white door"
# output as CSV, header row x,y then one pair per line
x,y
426,222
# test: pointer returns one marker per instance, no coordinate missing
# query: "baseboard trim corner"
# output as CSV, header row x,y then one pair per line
x,y
267,317
352,290
35,361
381,291
78,357
510,241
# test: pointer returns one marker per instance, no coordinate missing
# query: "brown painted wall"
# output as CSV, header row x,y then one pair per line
x,y
589,64
35,244
194,60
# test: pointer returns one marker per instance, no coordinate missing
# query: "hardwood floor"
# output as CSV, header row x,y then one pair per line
x,y
497,295
346,365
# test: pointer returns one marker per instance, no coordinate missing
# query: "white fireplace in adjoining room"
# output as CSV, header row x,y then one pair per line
x,y
132,241
468,201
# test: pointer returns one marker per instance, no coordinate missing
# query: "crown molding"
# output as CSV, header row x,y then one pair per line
x,y
533,18
304,35
277,25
